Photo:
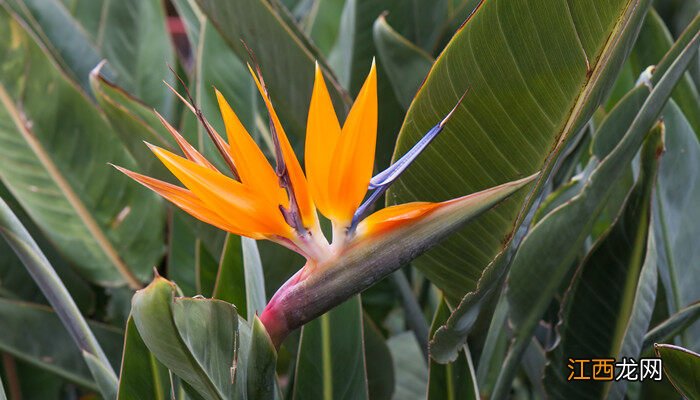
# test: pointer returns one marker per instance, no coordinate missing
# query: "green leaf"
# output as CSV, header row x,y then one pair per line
x,y
566,228
86,12
131,35
2,392
134,122
104,376
216,66
614,290
411,371
678,193
354,50
412,310
406,65
61,35
653,43
142,375
254,280
436,22
682,368
321,22
352,57
43,341
285,55
262,359
205,269
134,39
16,283
190,260
672,326
181,249
36,383
536,71
54,163
193,337
552,245
457,379
331,360
494,349
240,279
380,371
230,280
534,363
26,249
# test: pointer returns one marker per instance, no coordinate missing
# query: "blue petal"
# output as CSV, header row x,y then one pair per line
x,y
381,182
389,175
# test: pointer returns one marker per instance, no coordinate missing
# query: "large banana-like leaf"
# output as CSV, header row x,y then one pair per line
x,y
550,248
262,360
536,72
678,193
354,50
131,35
285,55
55,147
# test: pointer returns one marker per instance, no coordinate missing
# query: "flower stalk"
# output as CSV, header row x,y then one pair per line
x,y
317,288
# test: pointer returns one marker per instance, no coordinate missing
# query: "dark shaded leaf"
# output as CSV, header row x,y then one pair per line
x,y
613,290
331,360
682,367
43,341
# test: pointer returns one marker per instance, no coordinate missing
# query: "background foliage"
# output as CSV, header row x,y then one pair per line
x,y
599,259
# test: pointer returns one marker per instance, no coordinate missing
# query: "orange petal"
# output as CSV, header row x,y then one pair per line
x,y
190,152
220,144
353,158
189,203
253,168
301,189
322,133
229,198
395,216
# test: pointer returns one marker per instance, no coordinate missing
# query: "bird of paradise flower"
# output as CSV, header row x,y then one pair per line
x,y
282,204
